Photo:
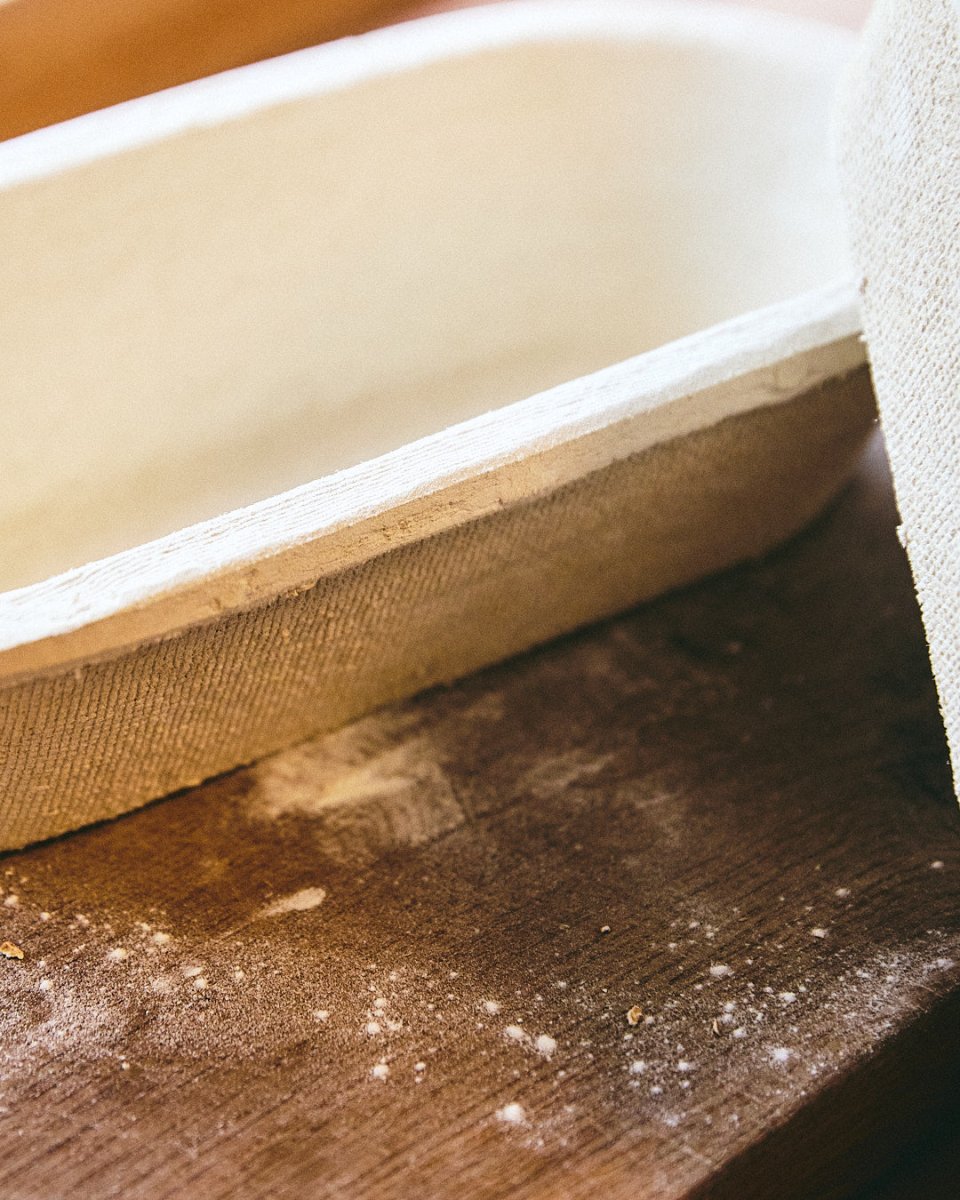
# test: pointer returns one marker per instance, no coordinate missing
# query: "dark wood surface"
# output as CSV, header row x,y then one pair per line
x,y
745,784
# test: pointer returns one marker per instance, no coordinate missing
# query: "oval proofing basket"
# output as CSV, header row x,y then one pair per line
x,y
364,300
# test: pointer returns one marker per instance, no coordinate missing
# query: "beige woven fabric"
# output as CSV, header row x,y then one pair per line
x,y
900,149
90,743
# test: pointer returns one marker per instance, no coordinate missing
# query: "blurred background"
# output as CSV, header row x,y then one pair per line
x,y
60,58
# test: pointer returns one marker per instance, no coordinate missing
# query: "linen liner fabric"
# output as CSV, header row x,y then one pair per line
x,y
92,742
900,155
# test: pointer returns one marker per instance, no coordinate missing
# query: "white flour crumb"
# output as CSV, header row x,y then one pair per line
x,y
117,954
161,939
239,975
419,1067
545,1044
720,971
321,1015
44,916
161,986
45,985
818,932
82,920
192,972
380,1070
638,1067
937,864
739,1032
656,1090
512,1114
380,1003
781,1054
514,1033
787,997
200,983
842,893
301,901
491,1006
372,1028
12,901
684,1066
729,1006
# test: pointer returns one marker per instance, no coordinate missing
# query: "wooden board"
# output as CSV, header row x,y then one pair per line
x,y
339,973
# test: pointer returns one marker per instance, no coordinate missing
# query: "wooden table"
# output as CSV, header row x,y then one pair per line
x,y
407,958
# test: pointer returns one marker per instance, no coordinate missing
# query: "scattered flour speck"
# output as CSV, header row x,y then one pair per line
x,y
512,1114
380,1070
301,901
545,1044
720,971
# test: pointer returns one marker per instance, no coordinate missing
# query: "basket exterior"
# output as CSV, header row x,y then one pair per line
x,y
100,738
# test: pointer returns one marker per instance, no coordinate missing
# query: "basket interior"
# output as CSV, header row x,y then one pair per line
x,y
206,321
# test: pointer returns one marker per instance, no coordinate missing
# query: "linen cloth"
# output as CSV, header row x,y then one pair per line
x,y
899,146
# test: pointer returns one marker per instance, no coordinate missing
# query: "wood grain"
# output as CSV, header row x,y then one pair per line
x,y
745,782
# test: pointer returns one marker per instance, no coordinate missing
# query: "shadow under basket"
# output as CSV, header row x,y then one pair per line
x,y
364,300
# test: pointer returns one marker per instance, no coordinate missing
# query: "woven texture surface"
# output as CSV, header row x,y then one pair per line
x,y
104,737
900,147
